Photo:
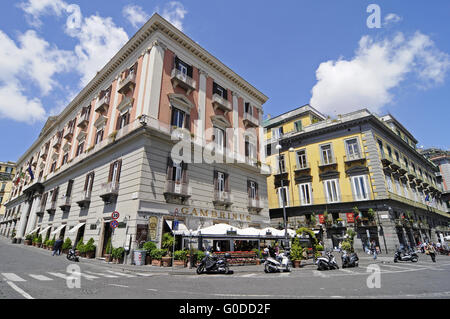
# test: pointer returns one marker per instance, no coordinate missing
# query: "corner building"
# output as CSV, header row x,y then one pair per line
x,y
110,149
358,171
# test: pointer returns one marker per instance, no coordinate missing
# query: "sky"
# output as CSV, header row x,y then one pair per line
x,y
339,56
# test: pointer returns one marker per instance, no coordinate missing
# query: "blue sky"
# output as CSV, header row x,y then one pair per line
x,y
295,52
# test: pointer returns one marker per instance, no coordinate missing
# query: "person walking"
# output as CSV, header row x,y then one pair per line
x,y
432,252
373,248
57,246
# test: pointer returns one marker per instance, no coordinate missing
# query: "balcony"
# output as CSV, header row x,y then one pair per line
x,y
300,168
222,198
403,169
102,103
109,191
52,208
411,174
220,103
395,165
69,134
386,160
327,162
66,204
127,84
182,80
44,154
40,211
84,121
255,205
84,199
357,157
57,144
250,121
176,192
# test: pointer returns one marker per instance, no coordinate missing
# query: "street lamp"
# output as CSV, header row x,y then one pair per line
x,y
278,147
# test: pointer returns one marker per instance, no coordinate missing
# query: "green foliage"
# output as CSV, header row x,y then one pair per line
x,y
29,237
89,245
109,247
346,245
80,245
39,239
118,252
258,253
313,219
319,247
67,244
167,241
180,255
158,253
148,247
371,214
198,255
296,250
310,232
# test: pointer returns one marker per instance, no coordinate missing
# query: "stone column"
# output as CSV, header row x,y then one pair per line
x,y
34,208
142,80
23,220
201,106
154,78
236,142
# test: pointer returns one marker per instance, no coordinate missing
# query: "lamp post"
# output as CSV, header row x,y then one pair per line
x,y
278,147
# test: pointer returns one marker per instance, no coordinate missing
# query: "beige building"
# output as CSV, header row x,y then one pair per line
x,y
7,171
110,150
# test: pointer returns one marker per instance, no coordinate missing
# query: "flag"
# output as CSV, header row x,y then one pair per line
x,y
30,171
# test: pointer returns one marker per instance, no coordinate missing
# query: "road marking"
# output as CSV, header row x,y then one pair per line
x,y
88,277
248,275
57,274
318,273
20,291
12,277
121,274
144,274
347,271
397,267
101,275
153,289
118,285
40,277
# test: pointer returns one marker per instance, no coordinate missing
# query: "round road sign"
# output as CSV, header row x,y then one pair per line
x,y
115,215
114,224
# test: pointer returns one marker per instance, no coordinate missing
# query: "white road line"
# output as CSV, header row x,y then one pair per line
x,y
19,290
318,273
88,277
347,271
121,274
12,277
248,275
101,275
153,289
40,277
144,274
397,267
118,285
57,274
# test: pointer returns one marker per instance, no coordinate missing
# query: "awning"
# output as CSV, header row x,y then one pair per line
x,y
44,230
57,230
74,229
34,230
181,229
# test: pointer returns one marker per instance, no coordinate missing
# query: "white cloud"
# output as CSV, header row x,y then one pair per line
x,y
135,15
391,18
16,106
174,12
35,8
377,68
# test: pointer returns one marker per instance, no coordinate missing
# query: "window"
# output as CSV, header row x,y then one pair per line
x,y
352,148
397,156
298,125
178,118
252,190
69,188
89,182
277,132
326,153
283,196
250,148
281,164
389,183
52,168
305,193
217,89
183,68
114,171
80,148
406,162
220,181
360,187
65,158
389,151
99,136
332,190
124,120
380,146
405,188
301,159
176,172
219,138
397,186
248,108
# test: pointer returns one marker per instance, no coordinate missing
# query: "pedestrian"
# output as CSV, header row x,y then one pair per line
x,y
266,252
57,246
431,251
340,246
373,248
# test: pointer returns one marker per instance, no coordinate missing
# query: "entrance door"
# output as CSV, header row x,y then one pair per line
x,y
80,233
107,234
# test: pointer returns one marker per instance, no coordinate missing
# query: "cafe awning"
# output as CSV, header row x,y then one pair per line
x,y
74,229
34,230
44,230
57,230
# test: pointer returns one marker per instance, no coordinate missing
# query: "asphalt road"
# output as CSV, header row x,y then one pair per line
x,y
28,272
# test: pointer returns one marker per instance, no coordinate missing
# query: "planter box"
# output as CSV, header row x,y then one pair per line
x,y
83,255
179,263
166,261
107,258
90,254
65,251
38,245
44,246
297,263
156,262
148,260
27,242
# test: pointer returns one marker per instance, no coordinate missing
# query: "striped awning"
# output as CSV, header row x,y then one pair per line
x,y
57,230
74,229
34,230
44,230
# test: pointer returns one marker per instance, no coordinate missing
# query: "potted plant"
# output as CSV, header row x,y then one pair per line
x,y
109,250
45,242
13,237
180,258
148,247
80,248
157,255
66,245
39,241
35,237
258,255
296,253
117,255
167,244
89,248
371,215
28,240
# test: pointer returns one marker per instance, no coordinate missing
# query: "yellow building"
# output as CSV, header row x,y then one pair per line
x,y
7,172
358,170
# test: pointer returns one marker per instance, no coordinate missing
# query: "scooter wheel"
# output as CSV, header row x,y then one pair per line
x,y
414,260
395,260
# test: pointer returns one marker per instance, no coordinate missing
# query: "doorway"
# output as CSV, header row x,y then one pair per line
x,y
107,234
80,234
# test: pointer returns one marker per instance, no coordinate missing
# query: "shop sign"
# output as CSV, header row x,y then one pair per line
x,y
321,219
350,218
152,227
215,214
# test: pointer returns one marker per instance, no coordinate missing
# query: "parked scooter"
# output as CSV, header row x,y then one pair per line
x,y
280,263
71,255
327,262
349,260
213,264
407,256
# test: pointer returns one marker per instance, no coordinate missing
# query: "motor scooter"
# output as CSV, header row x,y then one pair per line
x,y
327,262
349,260
407,256
213,264
72,256
280,263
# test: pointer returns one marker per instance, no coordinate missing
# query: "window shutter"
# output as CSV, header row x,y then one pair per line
x,y
214,87
119,120
111,168
189,70
249,188
175,62
225,94
184,167
187,120
226,176
119,169
169,169
216,184
257,191
69,188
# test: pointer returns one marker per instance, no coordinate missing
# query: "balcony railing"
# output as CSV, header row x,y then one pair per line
x,y
183,80
127,83
102,104
354,157
302,167
177,188
52,208
84,121
255,205
250,120
332,161
109,191
84,198
222,198
66,203
221,103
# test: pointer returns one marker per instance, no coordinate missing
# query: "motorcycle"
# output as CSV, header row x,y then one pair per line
x,y
214,264
408,256
71,256
349,260
327,262
280,263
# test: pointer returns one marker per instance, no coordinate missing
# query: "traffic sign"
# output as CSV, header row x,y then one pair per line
x,y
115,215
114,224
